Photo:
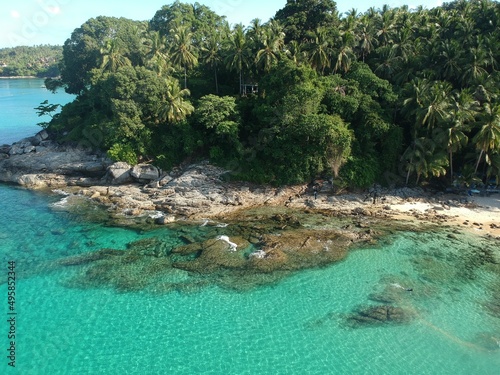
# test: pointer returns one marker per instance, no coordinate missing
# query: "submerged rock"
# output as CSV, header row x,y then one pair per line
x,y
90,257
378,315
488,341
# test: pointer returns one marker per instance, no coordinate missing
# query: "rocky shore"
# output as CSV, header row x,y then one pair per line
x,y
202,191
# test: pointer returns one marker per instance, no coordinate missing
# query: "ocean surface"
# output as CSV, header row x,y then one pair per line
x,y
298,325
18,98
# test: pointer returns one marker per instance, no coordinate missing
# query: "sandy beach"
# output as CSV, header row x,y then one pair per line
x,y
481,215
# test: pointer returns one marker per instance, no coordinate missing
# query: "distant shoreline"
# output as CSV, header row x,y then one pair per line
x,y
22,77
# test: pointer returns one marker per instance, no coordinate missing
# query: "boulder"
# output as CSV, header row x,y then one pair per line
x,y
42,135
119,173
145,172
29,149
163,220
5,149
17,149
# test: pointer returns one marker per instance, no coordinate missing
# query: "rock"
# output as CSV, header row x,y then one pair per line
x,y
165,180
162,220
119,173
377,315
42,135
259,254
58,231
360,211
488,341
29,149
95,195
5,149
90,257
193,248
16,149
145,172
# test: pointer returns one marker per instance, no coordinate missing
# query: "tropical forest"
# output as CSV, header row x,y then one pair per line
x,y
394,96
34,61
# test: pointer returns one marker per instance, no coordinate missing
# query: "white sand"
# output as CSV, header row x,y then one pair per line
x,y
480,214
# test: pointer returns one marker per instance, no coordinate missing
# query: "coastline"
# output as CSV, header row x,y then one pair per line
x,y
22,77
199,191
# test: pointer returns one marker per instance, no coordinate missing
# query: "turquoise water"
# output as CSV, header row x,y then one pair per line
x,y
296,326
18,97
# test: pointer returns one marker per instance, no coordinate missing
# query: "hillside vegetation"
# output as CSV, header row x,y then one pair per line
x,y
392,95
38,61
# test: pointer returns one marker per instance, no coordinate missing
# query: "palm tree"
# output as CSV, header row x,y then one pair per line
x,y
494,167
183,52
366,40
113,56
175,108
424,160
237,56
211,54
296,52
474,66
435,104
451,56
319,51
463,110
272,40
488,137
385,26
345,54
415,158
157,52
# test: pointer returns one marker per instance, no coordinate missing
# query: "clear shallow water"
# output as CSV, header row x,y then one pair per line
x,y
296,326
18,98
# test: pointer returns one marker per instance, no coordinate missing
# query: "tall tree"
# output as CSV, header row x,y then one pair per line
x,y
237,53
183,51
157,55
113,56
462,114
301,17
175,108
272,43
211,54
319,50
488,137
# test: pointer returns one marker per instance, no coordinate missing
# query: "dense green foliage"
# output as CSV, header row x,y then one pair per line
x,y
391,95
38,61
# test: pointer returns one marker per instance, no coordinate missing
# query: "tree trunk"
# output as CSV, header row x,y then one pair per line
x,y
185,77
478,161
216,81
409,170
241,83
451,167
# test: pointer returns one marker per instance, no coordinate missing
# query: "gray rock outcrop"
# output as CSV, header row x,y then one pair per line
x,y
119,173
145,172
38,162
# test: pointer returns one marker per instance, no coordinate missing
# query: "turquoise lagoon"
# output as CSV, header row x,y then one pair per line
x,y
294,326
